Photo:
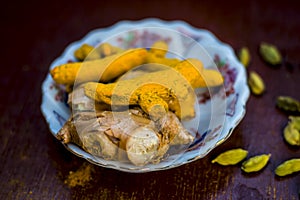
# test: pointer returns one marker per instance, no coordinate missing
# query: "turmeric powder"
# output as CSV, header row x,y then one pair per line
x,y
109,68
81,176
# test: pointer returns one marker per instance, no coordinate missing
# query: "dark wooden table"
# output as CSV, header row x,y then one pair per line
x,y
34,165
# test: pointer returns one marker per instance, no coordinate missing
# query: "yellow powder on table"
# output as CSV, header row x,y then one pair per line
x,y
80,177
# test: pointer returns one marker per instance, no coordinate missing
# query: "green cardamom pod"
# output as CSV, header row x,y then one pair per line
x,y
291,132
244,56
288,167
256,83
270,53
231,157
296,121
291,135
287,103
255,163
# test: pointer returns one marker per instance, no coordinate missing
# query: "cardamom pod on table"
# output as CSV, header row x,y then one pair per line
x,y
244,56
256,83
287,103
255,163
291,132
270,53
231,157
288,167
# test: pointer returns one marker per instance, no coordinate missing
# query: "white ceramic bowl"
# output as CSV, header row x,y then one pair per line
x,y
219,114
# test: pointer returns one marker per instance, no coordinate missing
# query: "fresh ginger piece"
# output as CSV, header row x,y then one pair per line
x,y
103,70
142,146
121,135
128,133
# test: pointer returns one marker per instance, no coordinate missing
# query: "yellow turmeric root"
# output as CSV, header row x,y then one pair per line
x,y
89,52
84,50
152,58
194,72
208,77
163,90
108,68
157,54
159,49
155,92
106,49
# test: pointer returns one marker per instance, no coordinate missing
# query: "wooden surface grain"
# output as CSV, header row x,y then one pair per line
x,y
34,165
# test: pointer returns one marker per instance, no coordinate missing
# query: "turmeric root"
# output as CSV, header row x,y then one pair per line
x,y
155,92
84,50
103,70
88,52
157,54
166,89
191,69
159,48
152,58
106,49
